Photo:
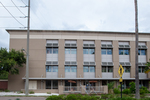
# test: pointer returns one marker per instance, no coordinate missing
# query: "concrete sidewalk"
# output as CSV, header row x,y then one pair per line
x,y
22,94
22,98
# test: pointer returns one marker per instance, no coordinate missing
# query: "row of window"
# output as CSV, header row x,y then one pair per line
x,y
92,51
90,69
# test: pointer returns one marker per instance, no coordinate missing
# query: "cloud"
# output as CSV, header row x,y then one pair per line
x,y
90,15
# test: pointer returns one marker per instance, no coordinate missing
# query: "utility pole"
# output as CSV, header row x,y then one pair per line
x,y
27,57
137,95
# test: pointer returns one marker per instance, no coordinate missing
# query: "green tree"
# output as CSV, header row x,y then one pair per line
x,y
147,68
110,86
11,61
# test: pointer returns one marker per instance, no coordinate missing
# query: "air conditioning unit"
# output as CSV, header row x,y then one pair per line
x,y
86,63
73,45
73,63
67,45
67,63
92,63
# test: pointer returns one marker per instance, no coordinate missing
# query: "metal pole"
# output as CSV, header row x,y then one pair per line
x,y
27,57
137,96
121,90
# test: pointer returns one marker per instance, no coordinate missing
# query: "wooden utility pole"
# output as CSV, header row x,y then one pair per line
x,y
137,95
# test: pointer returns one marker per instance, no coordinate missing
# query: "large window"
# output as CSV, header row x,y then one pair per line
x,y
106,51
70,50
107,69
142,52
141,69
52,50
51,68
70,68
123,51
126,69
51,84
89,69
88,51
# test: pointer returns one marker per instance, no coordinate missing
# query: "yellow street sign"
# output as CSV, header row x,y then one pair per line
x,y
120,71
120,80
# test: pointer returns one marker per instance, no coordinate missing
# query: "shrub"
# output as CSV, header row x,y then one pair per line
x,y
116,90
71,97
132,87
7,91
126,91
104,96
31,92
55,97
110,86
145,89
48,92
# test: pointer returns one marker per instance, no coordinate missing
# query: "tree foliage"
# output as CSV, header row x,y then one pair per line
x,y
147,68
11,61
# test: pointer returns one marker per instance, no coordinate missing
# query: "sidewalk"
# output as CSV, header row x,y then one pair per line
x,y
22,94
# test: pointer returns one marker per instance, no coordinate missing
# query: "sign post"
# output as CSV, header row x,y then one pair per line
x,y
120,71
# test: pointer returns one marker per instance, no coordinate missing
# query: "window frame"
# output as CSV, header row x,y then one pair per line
x,y
88,69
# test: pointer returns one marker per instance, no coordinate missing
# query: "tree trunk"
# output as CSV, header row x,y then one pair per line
x,y
137,95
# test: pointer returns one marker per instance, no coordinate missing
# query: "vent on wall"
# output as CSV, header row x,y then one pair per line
x,y
89,63
51,63
125,63
52,45
88,45
70,45
141,64
124,46
142,47
70,63
106,46
107,64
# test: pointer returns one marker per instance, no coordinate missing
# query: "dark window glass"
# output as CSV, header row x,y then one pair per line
x,y
120,51
48,84
55,84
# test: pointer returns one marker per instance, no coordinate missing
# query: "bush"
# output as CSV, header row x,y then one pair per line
x,y
55,97
126,91
31,92
7,91
104,96
132,87
145,89
48,92
116,90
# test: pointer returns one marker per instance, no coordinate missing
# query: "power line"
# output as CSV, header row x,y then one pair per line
x,y
11,14
13,27
23,3
17,8
14,16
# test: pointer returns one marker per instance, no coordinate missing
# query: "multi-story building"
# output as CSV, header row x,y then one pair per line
x,y
75,58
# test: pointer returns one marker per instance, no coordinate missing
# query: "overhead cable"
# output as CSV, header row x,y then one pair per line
x,y
17,8
11,14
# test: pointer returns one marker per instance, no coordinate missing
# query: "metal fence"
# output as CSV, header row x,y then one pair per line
x,y
94,89
72,89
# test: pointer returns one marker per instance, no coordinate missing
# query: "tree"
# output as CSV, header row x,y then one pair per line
x,y
147,68
11,61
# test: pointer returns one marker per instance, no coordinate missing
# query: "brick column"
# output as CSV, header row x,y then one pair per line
x,y
79,58
98,72
61,58
115,59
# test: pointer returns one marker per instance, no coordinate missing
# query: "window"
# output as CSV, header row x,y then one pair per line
x,y
106,51
51,68
51,84
70,50
89,69
52,50
70,68
88,51
141,69
107,69
126,69
123,51
141,52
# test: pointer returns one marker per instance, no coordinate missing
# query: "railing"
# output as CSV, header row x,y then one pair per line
x,y
72,89
95,89
87,89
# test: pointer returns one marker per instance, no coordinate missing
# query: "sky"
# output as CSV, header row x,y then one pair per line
x,y
83,15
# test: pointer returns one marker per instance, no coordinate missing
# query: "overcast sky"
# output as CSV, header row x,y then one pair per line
x,y
89,15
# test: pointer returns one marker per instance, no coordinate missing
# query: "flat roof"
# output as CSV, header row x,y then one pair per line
x,y
74,31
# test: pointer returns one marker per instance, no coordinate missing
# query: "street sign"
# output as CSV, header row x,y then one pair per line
x,y
120,80
120,71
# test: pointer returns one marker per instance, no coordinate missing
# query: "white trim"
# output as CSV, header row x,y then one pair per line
x,y
96,37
